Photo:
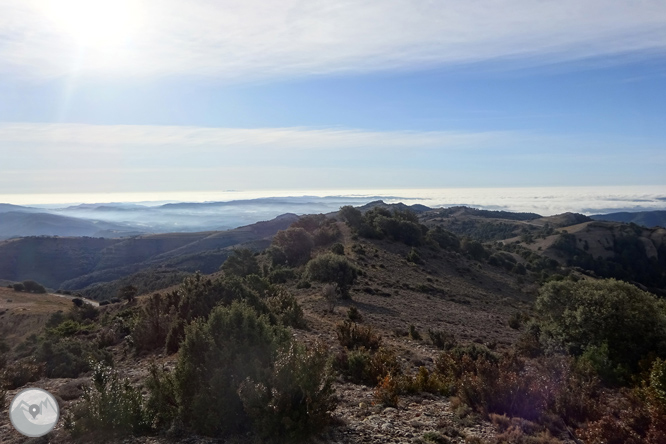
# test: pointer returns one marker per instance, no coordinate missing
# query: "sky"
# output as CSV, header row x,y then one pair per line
x,y
119,96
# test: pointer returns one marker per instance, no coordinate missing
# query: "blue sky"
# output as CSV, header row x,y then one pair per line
x,y
101,96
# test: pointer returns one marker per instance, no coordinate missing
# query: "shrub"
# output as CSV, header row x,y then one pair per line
x,y
364,367
216,357
128,293
68,358
334,269
33,287
330,294
288,312
352,216
338,248
241,262
445,239
414,333
295,243
294,401
153,323
474,248
111,406
311,222
19,287
83,312
508,385
352,335
281,275
424,381
162,403
353,314
413,256
387,391
326,234
442,339
70,328
582,315
19,373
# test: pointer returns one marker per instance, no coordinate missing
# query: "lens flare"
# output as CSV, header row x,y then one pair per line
x,y
96,24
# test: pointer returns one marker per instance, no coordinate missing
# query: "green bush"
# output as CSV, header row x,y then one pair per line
x,y
216,357
362,366
295,400
352,216
445,239
414,257
68,358
334,269
295,243
338,248
33,287
352,335
153,323
474,248
414,333
162,402
128,293
111,406
241,262
281,275
70,328
612,317
326,235
285,308
19,287
353,314
442,339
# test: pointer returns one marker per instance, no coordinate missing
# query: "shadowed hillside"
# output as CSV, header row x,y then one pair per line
x,y
74,263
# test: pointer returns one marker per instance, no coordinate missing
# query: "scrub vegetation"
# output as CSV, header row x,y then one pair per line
x,y
282,344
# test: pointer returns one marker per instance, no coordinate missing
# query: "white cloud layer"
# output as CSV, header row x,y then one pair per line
x,y
65,158
259,39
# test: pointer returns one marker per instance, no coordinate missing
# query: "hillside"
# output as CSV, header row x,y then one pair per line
x,y
74,263
20,223
449,349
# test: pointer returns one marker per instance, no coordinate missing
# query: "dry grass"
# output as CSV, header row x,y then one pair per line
x,y
27,313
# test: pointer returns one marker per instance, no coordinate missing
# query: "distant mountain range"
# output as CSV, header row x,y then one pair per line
x,y
123,219
648,219
21,224
75,263
114,220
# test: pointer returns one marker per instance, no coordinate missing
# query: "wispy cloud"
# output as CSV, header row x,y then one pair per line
x,y
254,39
76,137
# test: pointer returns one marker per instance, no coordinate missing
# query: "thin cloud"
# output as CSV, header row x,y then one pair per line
x,y
257,39
83,137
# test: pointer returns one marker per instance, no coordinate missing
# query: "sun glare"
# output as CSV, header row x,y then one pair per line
x,y
96,24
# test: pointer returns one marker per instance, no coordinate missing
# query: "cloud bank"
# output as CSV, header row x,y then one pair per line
x,y
67,158
258,39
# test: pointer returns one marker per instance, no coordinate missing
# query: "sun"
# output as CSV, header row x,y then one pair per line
x,y
96,23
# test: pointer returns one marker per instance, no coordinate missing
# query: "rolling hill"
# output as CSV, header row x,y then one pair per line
x,y
74,263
